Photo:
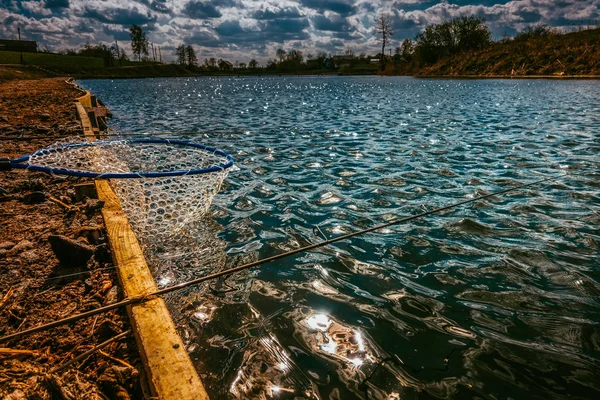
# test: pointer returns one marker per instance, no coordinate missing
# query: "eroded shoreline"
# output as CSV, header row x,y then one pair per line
x,y
34,286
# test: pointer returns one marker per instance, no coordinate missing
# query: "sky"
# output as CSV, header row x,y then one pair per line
x,y
239,30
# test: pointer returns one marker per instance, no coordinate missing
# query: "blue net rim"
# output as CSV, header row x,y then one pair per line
x,y
21,161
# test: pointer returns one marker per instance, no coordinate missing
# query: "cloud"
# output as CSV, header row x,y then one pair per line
x,y
229,28
117,34
337,6
333,24
57,4
201,9
160,6
240,29
120,16
269,13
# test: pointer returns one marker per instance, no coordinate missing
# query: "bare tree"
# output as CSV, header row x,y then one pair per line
x,y
383,27
253,63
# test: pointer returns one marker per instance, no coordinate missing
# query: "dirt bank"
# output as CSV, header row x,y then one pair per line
x,y
42,219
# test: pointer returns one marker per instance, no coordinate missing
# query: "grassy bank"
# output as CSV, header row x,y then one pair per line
x,y
571,54
50,60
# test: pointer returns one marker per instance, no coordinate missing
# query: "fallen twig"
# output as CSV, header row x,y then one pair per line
x,y
115,359
60,203
7,351
7,297
91,351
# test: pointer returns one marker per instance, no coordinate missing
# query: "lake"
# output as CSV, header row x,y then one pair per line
x,y
495,299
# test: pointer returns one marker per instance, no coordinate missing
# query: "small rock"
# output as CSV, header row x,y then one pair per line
x,y
34,198
70,252
3,252
29,256
23,245
6,245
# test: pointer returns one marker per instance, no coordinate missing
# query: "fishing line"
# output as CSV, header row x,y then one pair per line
x,y
140,299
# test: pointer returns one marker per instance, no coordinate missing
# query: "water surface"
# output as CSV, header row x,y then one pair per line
x,y
497,299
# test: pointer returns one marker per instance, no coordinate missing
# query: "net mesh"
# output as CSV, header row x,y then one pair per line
x,y
157,207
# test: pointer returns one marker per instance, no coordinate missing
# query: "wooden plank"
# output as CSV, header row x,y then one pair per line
x,y
171,374
83,117
168,366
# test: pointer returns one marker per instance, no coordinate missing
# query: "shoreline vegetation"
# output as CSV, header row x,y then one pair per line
x,y
460,48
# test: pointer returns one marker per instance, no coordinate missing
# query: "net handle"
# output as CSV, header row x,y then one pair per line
x,y
21,162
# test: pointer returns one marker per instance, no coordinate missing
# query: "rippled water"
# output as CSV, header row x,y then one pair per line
x,y
496,299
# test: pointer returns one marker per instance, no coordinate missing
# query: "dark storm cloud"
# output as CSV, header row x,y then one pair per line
x,y
57,4
227,3
201,10
412,6
335,24
9,20
229,28
294,27
120,16
337,6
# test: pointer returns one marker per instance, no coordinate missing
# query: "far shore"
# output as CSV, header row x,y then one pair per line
x,y
18,72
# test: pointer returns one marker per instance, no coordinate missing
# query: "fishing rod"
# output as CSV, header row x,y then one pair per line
x,y
169,289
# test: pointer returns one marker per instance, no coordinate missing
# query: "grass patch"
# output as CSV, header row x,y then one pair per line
x,y
50,60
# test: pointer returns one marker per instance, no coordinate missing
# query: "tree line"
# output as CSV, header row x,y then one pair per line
x,y
435,42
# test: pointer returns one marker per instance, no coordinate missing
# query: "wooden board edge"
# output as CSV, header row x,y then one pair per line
x,y
170,371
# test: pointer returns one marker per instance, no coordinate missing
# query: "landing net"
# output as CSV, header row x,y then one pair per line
x,y
163,184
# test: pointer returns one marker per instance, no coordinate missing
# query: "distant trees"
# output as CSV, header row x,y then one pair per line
x,y
280,54
192,61
407,49
452,37
186,56
139,41
252,63
383,28
180,54
295,56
